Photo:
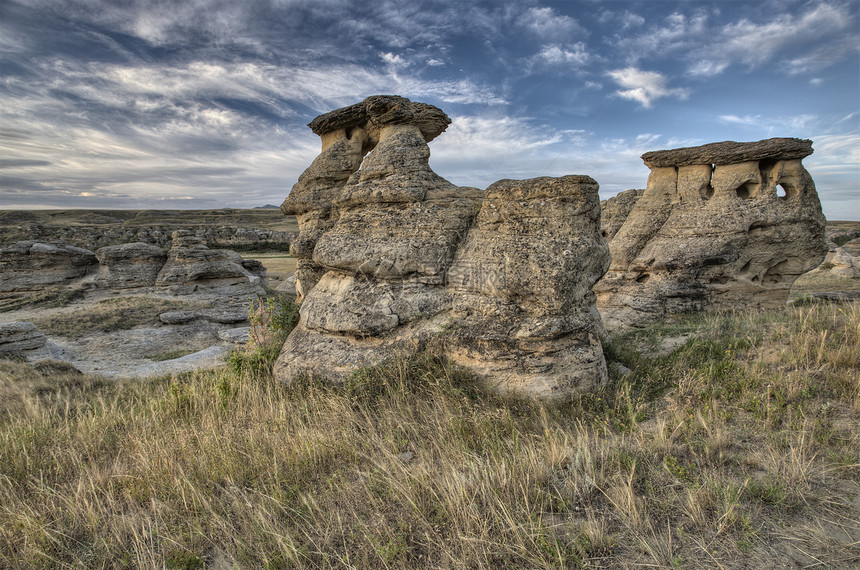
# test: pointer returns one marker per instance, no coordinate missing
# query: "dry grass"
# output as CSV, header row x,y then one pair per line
x,y
739,449
278,265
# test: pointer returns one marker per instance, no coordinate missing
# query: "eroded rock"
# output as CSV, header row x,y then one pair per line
x,y
398,261
523,315
722,226
20,336
33,265
191,266
129,265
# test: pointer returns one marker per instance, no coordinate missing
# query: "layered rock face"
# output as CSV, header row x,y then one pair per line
x,y
129,265
393,258
32,266
523,311
191,266
722,226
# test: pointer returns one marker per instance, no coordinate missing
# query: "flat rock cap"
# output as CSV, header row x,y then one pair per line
x,y
730,152
382,110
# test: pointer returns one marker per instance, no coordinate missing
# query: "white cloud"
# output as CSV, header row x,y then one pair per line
x,y
574,55
548,25
644,86
393,59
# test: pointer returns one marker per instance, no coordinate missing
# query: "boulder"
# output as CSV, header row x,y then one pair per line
x,y
523,315
20,336
722,226
33,265
129,265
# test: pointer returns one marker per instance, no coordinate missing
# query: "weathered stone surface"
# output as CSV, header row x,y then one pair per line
x,y
730,152
614,211
523,313
223,316
383,259
191,265
729,226
391,258
32,266
20,336
129,265
397,171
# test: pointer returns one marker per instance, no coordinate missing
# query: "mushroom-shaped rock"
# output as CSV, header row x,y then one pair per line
x,y
723,226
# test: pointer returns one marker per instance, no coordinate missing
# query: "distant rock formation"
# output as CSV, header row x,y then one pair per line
x,y
129,265
33,266
191,265
722,226
390,259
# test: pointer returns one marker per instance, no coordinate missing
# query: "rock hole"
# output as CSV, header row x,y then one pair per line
x,y
643,278
744,191
603,233
746,268
781,193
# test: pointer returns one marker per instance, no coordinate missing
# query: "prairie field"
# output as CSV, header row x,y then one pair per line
x,y
721,441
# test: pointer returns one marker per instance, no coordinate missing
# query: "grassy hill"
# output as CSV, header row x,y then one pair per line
x,y
725,441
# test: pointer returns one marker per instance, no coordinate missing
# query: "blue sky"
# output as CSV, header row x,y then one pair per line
x,y
203,104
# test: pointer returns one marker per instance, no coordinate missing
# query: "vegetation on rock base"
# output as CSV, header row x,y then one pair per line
x,y
740,444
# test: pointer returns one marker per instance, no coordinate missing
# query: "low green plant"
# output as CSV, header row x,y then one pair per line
x,y
272,319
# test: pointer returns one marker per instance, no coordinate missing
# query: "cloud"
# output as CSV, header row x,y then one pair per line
x,y
644,86
575,54
549,25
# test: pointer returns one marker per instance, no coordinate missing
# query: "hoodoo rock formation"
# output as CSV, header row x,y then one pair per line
x,y
720,226
523,310
389,259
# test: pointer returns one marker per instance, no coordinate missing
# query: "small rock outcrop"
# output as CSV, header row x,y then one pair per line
x,y
129,265
523,316
391,258
20,336
722,226
32,265
192,266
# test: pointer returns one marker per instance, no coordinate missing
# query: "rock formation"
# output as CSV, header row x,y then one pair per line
x,y
388,260
129,265
721,226
523,312
191,266
20,336
32,266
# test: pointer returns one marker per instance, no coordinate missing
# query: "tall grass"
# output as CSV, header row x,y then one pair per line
x,y
741,443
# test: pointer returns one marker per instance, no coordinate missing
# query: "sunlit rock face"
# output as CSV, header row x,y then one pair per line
x,y
395,260
721,226
378,287
523,313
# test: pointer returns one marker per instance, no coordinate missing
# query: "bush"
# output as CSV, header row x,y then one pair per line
x,y
272,319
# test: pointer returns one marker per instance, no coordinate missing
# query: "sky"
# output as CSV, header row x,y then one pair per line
x,y
165,104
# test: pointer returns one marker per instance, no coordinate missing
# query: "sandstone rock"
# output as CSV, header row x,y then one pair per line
x,y
523,312
399,261
723,226
380,282
615,210
237,336
191,266
845,260
33,266
129,265
347,135
223,316
20,336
